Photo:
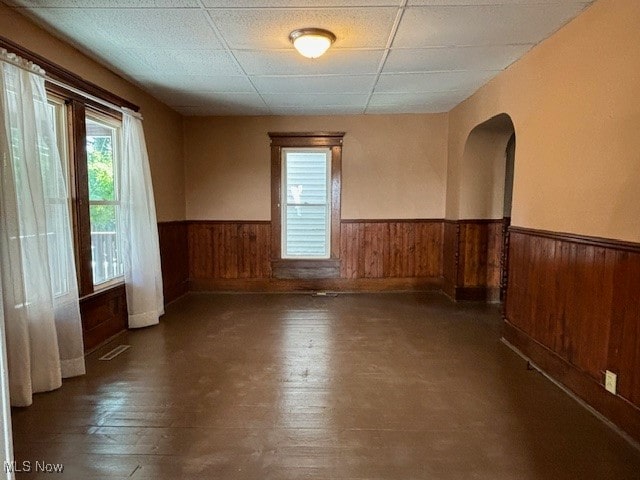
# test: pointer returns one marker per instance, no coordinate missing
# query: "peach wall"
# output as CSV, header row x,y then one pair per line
x,y
163,126
575,104
481,172
393,166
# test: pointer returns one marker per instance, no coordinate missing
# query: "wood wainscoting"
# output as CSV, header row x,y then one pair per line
x,y
472,252
174,257
220,250
573,307
104,314
375,255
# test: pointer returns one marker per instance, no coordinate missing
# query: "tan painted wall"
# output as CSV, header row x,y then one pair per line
x,y
482,171
575,104
163,126
393,166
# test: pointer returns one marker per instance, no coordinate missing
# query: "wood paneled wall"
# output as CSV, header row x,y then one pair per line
x,y
472,251
174,258
104,314
374,255
229,250
391,249
573,306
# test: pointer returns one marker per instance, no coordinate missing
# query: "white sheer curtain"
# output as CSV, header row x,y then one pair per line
x,y
6,442
139,227
40,296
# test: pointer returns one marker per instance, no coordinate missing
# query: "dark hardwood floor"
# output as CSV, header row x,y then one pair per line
x,y
387,386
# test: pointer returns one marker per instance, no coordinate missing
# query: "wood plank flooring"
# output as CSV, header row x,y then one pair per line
x,y
386,386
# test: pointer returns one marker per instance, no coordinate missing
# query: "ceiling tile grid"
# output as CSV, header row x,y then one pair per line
x,y
233,57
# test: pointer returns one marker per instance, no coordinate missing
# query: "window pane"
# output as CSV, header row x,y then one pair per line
x,y
106,258
102,167
305,214
306,177
101,163
306,231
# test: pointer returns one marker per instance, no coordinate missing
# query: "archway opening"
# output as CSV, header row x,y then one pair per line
x,y
484,202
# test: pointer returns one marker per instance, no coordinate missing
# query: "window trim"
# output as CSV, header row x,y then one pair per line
x,y
305,268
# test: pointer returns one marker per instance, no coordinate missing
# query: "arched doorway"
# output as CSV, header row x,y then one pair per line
x,y
476,241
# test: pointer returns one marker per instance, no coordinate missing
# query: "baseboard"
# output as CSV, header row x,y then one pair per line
x,y
449,288
618,410
173,292
477,294
326,284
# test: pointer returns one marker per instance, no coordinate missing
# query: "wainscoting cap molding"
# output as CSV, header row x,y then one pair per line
x,y
391,220
474,220
228,222
581,239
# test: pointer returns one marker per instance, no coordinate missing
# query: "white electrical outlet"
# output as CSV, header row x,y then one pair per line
x,y
610,380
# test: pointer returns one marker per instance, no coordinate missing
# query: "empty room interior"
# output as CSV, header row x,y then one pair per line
x,y
332,239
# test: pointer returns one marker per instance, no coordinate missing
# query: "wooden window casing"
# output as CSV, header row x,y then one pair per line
x,y
299,268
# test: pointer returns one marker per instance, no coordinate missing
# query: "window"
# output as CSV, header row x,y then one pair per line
x,y
305,204
103,147
89,140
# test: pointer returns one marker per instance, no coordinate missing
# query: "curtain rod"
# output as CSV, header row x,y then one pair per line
x,y
88,96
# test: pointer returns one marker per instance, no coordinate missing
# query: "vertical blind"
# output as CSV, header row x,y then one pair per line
x,y
307,209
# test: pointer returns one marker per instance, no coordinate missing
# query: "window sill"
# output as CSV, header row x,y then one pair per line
x,y
105,288
311,269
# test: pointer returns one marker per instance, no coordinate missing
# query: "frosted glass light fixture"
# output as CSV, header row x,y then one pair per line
x,y
312,42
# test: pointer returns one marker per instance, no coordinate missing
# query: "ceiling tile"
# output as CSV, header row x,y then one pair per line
x,y
315,84
444,49
196,62
290,62
108,3
300,100
119,60
482,25
152,28
438,59
270,28
195,98
435,107
417,99
432,82
176,83
327,110
71,23
221,100
416,102
209,110
299,3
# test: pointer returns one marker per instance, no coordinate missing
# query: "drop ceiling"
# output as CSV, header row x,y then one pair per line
x,y
233,57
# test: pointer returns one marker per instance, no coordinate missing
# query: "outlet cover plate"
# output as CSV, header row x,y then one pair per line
x,y
610,381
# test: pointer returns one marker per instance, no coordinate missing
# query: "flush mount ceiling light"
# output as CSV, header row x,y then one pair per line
x,y
312,42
